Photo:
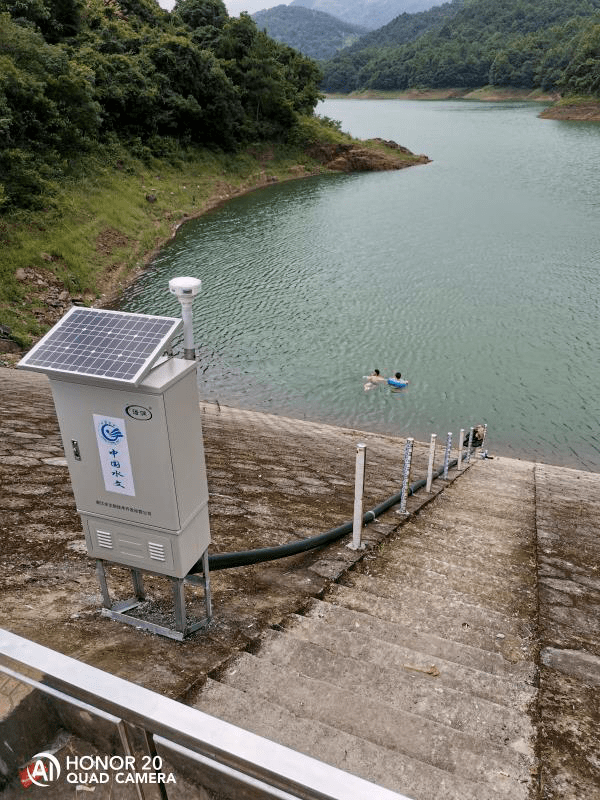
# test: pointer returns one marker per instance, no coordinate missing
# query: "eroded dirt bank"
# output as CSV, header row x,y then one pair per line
x,y
584,112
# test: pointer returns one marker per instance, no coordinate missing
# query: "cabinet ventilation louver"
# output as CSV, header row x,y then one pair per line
x,y
157,551
104,539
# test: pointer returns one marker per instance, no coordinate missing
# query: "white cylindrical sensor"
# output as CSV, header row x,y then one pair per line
x,y
185,290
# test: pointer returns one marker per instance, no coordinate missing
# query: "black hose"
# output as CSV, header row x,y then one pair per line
x,y
243,558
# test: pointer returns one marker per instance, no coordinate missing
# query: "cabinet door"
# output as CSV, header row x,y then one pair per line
x,y
117,447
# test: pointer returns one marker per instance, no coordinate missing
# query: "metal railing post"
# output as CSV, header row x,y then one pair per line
x,y
430,462
408,448
359,488
447,454
461,436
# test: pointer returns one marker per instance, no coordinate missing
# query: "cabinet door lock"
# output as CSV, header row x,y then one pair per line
x,y
76,450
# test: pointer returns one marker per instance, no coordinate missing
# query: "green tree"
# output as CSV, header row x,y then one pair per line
x,y
582,74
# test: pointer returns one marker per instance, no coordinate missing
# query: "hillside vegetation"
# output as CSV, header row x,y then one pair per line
x,y
78,74
313,33
553,45
118,120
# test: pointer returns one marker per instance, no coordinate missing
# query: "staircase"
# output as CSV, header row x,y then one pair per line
x,y
417,670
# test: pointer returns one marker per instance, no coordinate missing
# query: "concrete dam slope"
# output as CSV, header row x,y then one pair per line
x,y
458,656
462,660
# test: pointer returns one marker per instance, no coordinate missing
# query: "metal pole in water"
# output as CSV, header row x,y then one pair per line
x,y
408,448
430,462
470,444
359,488
461,436
447,454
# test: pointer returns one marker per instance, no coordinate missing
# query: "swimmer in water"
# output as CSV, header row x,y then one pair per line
x,y
373,379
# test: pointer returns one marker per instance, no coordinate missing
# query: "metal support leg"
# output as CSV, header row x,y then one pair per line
x,y
121,611
150,749
106,601
125,734
138,584
179,599
207,595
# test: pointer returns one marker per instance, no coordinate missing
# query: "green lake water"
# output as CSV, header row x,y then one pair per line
x,y
477,276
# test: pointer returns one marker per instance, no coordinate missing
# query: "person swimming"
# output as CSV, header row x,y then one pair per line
x,y
376,377
397,382
373,379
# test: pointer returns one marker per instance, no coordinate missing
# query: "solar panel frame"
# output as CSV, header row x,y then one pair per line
x,y
116,347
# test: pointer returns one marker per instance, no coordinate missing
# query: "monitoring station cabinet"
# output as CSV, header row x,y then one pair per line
x,y
132,434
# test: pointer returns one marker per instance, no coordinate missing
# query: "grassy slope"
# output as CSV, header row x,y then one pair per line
x,y
101,230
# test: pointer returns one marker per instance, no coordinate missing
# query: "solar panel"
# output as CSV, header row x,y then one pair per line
x,y
115,346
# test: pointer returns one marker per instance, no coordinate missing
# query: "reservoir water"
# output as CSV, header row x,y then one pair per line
x,y
477,276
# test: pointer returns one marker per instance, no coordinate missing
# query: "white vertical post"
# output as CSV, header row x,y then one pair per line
x,y
185,289
461,436
430,462
470,444
408,448
359,487
447,454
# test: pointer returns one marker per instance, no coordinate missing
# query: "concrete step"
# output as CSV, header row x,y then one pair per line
x,y
406,775
463,533
402,690
506,600
477,616
360,622
448,622
435,544
361,645
494,576
459,523
404,733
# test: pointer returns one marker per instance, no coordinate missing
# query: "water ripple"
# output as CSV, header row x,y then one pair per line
x,y
477,277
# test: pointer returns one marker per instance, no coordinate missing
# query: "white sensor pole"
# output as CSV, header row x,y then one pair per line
x,y
185,290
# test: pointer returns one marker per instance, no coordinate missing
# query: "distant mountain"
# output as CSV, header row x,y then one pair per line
x,y
313,33
370,14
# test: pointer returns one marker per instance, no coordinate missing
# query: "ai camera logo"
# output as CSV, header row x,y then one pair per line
x,y
110,432
43,770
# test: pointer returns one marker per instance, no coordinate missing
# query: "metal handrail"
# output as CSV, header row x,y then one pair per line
x,y
217,754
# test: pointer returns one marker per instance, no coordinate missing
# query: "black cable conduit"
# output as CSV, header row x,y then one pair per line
x,y
243,558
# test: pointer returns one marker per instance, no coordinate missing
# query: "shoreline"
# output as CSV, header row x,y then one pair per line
x,y
487,94
585,109
121,251
333,160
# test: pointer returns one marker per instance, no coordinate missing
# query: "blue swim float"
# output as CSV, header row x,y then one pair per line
x,y
397,384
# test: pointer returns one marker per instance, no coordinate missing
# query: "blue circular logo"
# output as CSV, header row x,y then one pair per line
x,y
110,433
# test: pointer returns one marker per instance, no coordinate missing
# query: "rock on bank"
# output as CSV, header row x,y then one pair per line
x,y
374,155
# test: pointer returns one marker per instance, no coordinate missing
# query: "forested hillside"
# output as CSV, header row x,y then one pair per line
x,y
313,33
371,14
533,44
78,76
